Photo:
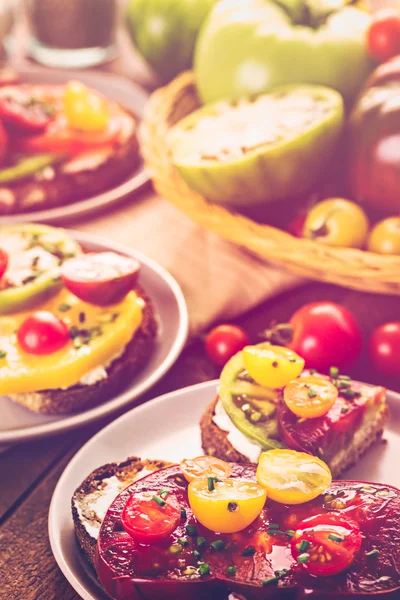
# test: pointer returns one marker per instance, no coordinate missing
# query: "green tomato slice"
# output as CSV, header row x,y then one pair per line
x,y
251,407
35,254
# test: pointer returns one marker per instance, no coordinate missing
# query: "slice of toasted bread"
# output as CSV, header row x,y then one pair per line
x,y
216,443
95,494
82,397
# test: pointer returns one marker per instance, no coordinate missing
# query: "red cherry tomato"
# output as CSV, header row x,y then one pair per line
x,y
21,111
383,38
326,544
225,341
384,349
42,333
3,262
325,335
146,520
100,278
296,226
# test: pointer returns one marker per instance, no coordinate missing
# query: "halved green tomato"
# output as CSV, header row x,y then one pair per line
x,y
35,254
251,407
254,151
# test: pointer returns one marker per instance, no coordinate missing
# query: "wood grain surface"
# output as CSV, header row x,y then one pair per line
x,y
29,472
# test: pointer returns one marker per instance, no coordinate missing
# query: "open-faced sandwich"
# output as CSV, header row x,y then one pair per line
x,y
207,528
266,401
74,326
60,144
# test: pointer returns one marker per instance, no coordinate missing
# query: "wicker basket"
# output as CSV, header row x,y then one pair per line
x,y
344,266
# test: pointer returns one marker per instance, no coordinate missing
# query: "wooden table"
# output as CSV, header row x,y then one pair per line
x,y
29,472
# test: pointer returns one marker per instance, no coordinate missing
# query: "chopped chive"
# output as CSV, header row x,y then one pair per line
x,y
201,542
183,541
276,532
270,581
344,378
372,553
64,307
334,372
303,558
249,551
303,546
196,554
289,533
281,573
218,545
211,484
292,359
3,353
163,493
344,409
350,394
183,513
231,570
335,538
159,501
274,526
204,569
312,371
191,529
343,385
312,393
82,317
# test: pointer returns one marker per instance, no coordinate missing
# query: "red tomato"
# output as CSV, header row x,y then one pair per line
x,y
146,521
59,137
21,111
296,226
3,262
326,335
383,38
326,543
225,341
42,333
100,278
384,349
3,142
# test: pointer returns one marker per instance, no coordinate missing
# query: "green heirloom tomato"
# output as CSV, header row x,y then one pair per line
x,y
247,47
254,151
165,31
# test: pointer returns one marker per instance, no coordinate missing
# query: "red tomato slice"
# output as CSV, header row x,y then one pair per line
x,y
149,518
326,544
59,137
42,333
3,262
100,278
23,112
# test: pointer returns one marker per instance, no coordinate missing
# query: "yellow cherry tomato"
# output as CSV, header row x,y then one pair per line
x,y
385,237
272,366
232,504
84,109
205,466
337,222
310,397
292,477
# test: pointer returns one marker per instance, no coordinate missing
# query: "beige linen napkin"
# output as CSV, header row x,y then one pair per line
x,y
219,280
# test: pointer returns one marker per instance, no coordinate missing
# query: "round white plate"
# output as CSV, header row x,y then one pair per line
x,y
168,428
20,424
127,94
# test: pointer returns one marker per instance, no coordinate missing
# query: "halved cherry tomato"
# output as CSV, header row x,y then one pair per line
x,y
384,349
292,477
310,397
272,366
3,262
148,517
225,341
84,109
100,278
226,506
42,333
326,544
383,38
204,466
23,112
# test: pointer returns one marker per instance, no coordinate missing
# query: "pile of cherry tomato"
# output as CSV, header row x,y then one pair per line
x,y
324,334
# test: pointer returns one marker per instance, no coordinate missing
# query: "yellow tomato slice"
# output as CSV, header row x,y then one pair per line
x,y
231,506
84,109
310,397
292,477
204,466
272,366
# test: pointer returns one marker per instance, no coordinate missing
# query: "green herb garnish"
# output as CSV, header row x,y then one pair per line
x,y
159,501
289,533
183,541
334,372
191,530
274,526
312,393
270,581
303,558
196,554
218,545
211,484
201,542
163,493
335,538
231,570
249,551
204,569
303,546
183,513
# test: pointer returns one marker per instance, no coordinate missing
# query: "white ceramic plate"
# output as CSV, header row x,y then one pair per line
x,y
20,424
168,428
128,95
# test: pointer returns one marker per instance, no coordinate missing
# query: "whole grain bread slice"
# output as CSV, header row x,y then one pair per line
x,y
95,494
82,397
